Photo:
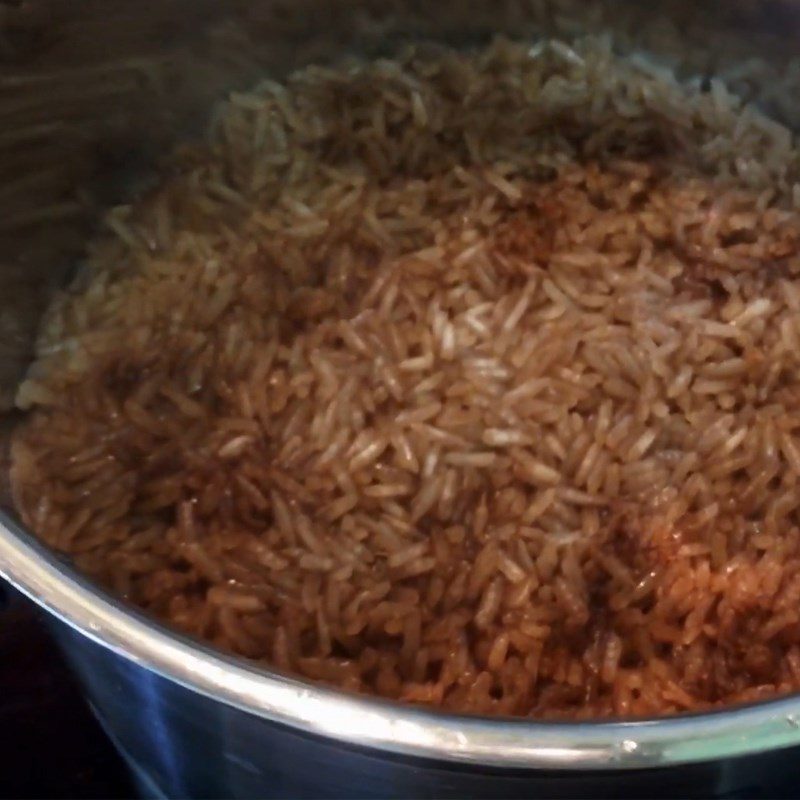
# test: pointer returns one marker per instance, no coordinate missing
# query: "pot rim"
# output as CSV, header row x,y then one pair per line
x,y
371,722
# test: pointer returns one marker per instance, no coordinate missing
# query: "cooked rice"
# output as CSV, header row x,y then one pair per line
x,y
461,379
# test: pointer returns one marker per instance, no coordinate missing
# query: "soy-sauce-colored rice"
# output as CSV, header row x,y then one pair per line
x,y
462,379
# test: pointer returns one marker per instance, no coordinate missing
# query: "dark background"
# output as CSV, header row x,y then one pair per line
x,y
50,744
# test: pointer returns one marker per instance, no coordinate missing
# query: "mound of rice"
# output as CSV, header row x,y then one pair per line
x,y
461,379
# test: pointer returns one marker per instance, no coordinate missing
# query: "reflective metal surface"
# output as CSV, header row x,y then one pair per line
x,y
195,722
163,696
196,747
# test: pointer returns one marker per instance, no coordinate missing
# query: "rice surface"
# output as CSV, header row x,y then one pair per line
x,y
465,379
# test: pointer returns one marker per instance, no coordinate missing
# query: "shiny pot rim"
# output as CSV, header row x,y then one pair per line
x,y
375,723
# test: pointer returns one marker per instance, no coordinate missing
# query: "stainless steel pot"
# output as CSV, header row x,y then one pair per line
x,y
87,95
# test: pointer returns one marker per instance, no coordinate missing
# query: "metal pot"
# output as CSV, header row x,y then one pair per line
x,y
191,721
